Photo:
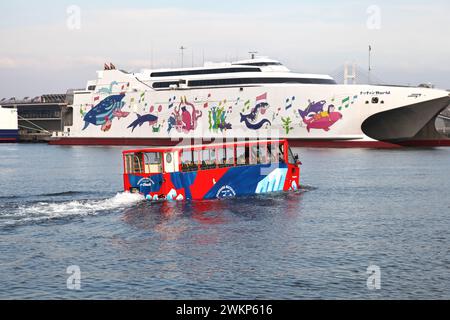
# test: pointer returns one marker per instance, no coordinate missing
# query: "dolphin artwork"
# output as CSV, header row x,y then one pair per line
x,y
252,126
151,119
104,111
314,107
249,119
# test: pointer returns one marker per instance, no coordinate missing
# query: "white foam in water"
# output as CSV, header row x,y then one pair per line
x,y
45,211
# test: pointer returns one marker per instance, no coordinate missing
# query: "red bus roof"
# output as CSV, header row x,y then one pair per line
x,y
206,146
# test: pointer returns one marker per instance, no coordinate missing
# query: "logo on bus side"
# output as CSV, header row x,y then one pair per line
x,y
226,192
146,183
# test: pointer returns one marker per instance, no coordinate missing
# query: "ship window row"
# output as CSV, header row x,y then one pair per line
x,y
247,81
201,72
243,81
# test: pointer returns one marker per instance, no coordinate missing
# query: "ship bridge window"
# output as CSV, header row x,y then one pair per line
x,y
261,64
166,84
91,88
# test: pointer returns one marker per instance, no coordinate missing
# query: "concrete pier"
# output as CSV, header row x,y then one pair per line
x,y
41,116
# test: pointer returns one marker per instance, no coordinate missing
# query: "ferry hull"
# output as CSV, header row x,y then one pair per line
x,y
216,183
306,115
410,125
293,142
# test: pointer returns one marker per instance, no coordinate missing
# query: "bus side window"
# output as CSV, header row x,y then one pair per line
x,y
240,156
281,154
264,154
153,163
229,153
138,163
291,157
273,154
208,159
128,163
187,160
254,155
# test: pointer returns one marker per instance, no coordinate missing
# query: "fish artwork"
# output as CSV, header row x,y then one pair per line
x,y
110,89
314,107
315,117
104,111
107,126
184,118
151,119
250,118
119,114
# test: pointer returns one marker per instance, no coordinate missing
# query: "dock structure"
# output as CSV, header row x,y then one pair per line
x,y
41,116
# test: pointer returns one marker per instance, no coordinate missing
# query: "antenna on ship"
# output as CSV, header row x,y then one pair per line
x,y
253,54
182,48
370,63
151,55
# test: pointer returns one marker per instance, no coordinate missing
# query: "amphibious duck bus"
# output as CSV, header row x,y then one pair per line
x,y
213,171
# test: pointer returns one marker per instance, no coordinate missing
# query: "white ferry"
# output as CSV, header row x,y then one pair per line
x,y
9,130
252,99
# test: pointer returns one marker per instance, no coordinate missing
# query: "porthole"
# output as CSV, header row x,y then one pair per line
x,y
169,158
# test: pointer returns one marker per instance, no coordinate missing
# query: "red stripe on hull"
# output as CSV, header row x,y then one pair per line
x,y
8,139
293,143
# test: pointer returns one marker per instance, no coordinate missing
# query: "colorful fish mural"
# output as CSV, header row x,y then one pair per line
x,y
148,118
315,117
313,108
119,114
107,126
104,111
251,120
108,90
184,118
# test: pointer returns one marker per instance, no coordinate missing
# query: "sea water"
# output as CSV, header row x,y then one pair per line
x,y
368,224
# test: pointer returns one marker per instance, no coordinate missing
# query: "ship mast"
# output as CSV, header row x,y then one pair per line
x,y
182,48
370,65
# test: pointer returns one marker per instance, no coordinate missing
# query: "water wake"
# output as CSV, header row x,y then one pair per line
x,y
42,211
